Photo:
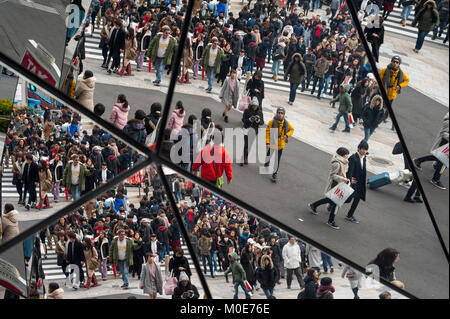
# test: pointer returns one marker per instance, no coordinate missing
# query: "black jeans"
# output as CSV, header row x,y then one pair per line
x,y
413,188
298,274
333,207
437,171
31,190
248,144
280,152
355,203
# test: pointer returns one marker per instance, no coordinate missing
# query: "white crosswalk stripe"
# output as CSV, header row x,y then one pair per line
x,y
9,190
393,24
93,52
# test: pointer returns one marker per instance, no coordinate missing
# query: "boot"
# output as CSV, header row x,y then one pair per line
x,y
275,78
47,203
128,69
181,80
121,71
187,78
403,23
41,202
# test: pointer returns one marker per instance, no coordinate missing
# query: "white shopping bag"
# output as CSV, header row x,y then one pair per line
x,y
441,153
340,193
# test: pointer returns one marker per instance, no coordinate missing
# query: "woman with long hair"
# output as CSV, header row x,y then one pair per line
x,y
45,184
151,279
229,94
17,170
187,62
91,257
130,52
57,167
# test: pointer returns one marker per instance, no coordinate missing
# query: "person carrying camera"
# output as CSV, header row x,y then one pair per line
x,y
252,119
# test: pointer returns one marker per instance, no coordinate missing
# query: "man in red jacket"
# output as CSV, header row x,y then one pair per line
x,y
214,160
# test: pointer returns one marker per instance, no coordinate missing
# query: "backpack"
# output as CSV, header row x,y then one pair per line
x,y
278,53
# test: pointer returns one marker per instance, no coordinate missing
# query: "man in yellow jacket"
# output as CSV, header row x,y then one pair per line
x,y
277,138
394,79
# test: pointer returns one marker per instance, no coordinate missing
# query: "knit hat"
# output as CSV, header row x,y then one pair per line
x,y
281,109
183,276
396,57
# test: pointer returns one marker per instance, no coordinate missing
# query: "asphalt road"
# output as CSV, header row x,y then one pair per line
x,y
386,221
19,23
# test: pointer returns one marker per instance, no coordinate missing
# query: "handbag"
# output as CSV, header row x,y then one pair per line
x,y
94,262
244,101
170,285
441,153
247,285
219,180
47,185
131,54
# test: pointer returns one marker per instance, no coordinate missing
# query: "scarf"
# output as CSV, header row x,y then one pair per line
x,y
387,76
275,124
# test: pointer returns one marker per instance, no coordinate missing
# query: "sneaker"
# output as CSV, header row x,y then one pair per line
x,y
408,200
274,177
27,206
124,286
332,128
331,270
352,219
346,131
417,164
312,209
156,83
333,225
438,184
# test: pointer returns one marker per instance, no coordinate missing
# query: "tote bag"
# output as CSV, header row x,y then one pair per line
x,y
170,285
340,193
441,153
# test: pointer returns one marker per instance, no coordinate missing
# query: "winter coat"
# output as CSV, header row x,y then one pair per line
x,y
48,129
247,120
56,294
311,288
119,115
392,92
321,67
180,289
345,101
212,171
443,14
75,252
372,116
314,256
442,137
31,177
227,97
114,252
359,173
143,39
175,123
427,19
204,246
266,275
236,269
325,292
281,132
338,171
152,51
253,84
352,43
10,225
355,280
146,280
204,61
296,70
247,265
357,96
84,93
177,262
291,256
67,176
136,130
90,254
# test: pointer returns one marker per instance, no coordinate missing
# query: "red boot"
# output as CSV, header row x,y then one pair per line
x,y
187,78
128,69
121,71
47,202
181,79
41,202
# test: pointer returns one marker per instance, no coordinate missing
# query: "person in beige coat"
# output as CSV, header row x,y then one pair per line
x,y
54,292
91,257
338,171
84,93
130,52
440,140
10,223
45,184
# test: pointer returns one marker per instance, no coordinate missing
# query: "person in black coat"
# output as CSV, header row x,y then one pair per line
x,y
247,262
153,246
116,46
385,261
252,119
311,285
75,253
372,115
255,87
357,175
358,96
179,263
30,179
266,275
375,35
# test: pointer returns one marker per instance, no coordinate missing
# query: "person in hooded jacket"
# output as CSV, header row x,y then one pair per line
x,y
252,119
277,140
266,275
135,127
358,95
54,291
311,285
238,273
84,93
248,260
345,107
179,263
10,223
372,115
296,71
255,87
119,113
152,119
338,170
326,289
426,20
185,289
176,120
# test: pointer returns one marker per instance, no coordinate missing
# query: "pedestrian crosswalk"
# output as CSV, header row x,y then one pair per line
x,y
54,272
93,52
393,24
10,191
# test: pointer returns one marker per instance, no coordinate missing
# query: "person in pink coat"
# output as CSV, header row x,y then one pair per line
x,y
176,120
119,113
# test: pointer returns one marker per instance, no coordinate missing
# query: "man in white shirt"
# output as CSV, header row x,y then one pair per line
x,y
211,60
292,259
